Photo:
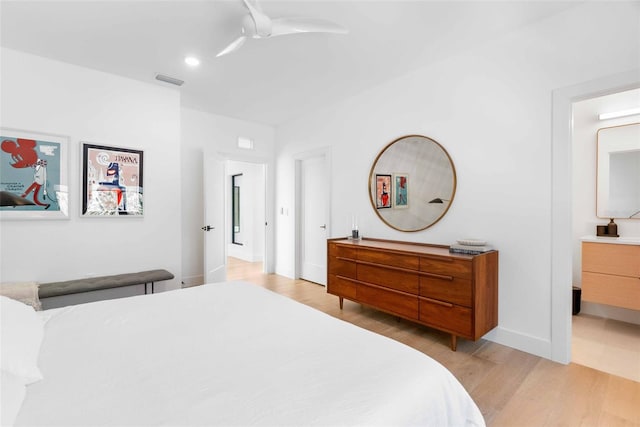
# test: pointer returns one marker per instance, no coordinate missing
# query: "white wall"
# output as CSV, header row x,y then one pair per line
x,y
204,132
51,97
585,128
491,109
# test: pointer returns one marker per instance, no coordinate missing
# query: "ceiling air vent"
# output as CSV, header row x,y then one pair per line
x,y
168,79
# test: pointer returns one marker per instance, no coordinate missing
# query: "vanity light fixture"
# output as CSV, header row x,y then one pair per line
x,y
439,200
622,113
192,61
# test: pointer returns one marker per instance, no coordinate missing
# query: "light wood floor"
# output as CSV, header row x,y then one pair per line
x,y
511,388
606,345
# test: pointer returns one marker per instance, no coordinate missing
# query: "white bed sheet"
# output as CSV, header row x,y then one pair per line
x,y
231,354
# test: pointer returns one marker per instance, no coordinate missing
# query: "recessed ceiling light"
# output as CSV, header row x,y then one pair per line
x,y
192,61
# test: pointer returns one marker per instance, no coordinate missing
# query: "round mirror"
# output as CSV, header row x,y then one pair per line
x,y
412,183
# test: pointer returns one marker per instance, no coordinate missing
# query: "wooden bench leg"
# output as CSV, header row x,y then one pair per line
x,y
341,302
454,342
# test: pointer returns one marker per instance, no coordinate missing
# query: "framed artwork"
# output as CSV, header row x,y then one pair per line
x,y
400,190
33,175
112,181
383,191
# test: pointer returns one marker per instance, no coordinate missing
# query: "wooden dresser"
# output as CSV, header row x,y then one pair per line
x,y
423,283
611,274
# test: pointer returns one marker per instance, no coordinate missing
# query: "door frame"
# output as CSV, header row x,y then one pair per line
x,y
560,193
299,158
268,265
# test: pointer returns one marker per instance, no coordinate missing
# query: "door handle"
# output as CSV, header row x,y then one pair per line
x,y
324,226
207,228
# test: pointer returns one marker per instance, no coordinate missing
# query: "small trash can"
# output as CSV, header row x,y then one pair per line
x,y
577,295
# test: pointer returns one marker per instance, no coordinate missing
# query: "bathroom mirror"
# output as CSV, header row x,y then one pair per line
x,y
618,172
412,183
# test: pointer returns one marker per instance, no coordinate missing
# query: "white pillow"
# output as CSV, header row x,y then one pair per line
x,y
21,332
12,392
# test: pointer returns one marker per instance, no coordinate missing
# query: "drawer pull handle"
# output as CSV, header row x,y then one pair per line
x,y
437,258
435,301
437,276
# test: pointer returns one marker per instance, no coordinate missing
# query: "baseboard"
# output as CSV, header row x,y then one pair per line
x,y
190,281
520,341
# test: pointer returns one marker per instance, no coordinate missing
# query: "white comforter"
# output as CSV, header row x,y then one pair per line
x,y
231,354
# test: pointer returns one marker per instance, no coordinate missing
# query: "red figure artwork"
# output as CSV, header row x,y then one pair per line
x,y
24,155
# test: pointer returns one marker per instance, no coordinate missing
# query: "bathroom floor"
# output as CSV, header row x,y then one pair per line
x,y
606,345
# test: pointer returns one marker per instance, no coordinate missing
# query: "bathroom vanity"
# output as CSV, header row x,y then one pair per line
x,y
611,271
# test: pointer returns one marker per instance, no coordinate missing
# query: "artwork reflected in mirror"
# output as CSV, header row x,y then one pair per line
x,y
618,172
412,183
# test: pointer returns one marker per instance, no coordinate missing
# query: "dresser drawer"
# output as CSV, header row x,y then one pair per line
x,y
341,286
447,266
342,251
399,303
343,267
448,317
607,289
391,278
410,262
456,291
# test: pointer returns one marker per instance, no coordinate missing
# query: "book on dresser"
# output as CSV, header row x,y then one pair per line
x,y
453,292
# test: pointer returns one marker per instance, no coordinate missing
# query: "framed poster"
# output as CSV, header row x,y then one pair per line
x,y
383,191
33,175
112,181
401,190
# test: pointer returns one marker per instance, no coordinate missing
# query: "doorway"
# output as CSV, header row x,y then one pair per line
x,y
245,211
561,198
603,337
253,222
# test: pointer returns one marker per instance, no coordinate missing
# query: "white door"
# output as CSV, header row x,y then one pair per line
x,y
313,219
215,266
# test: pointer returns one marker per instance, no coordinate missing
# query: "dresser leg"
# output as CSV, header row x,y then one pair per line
x,y
341,302
454,342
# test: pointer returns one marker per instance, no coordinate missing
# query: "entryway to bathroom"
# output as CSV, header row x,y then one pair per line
x,y
606,183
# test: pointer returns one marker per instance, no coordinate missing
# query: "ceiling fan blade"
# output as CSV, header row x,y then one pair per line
x,y
234,45
262,22
283,26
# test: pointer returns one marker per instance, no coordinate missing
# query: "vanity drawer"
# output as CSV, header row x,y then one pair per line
x,y
395,302
456,291
611,290
391,278
609,258
341,286
448,317
447,266
410,262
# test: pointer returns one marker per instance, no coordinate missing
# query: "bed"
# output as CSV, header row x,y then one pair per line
x,y
229,353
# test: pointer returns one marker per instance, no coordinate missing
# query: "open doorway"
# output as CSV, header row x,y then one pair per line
x,y
561,200
246,217
604,336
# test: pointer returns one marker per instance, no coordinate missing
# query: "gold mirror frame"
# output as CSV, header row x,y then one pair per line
x,y
420,181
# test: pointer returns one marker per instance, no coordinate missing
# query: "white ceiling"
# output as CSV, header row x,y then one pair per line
x,y
267,81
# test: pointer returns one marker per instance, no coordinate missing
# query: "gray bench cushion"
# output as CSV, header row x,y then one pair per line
x,y
53,289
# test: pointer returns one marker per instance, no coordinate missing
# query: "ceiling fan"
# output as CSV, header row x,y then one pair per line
x,y
257,25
